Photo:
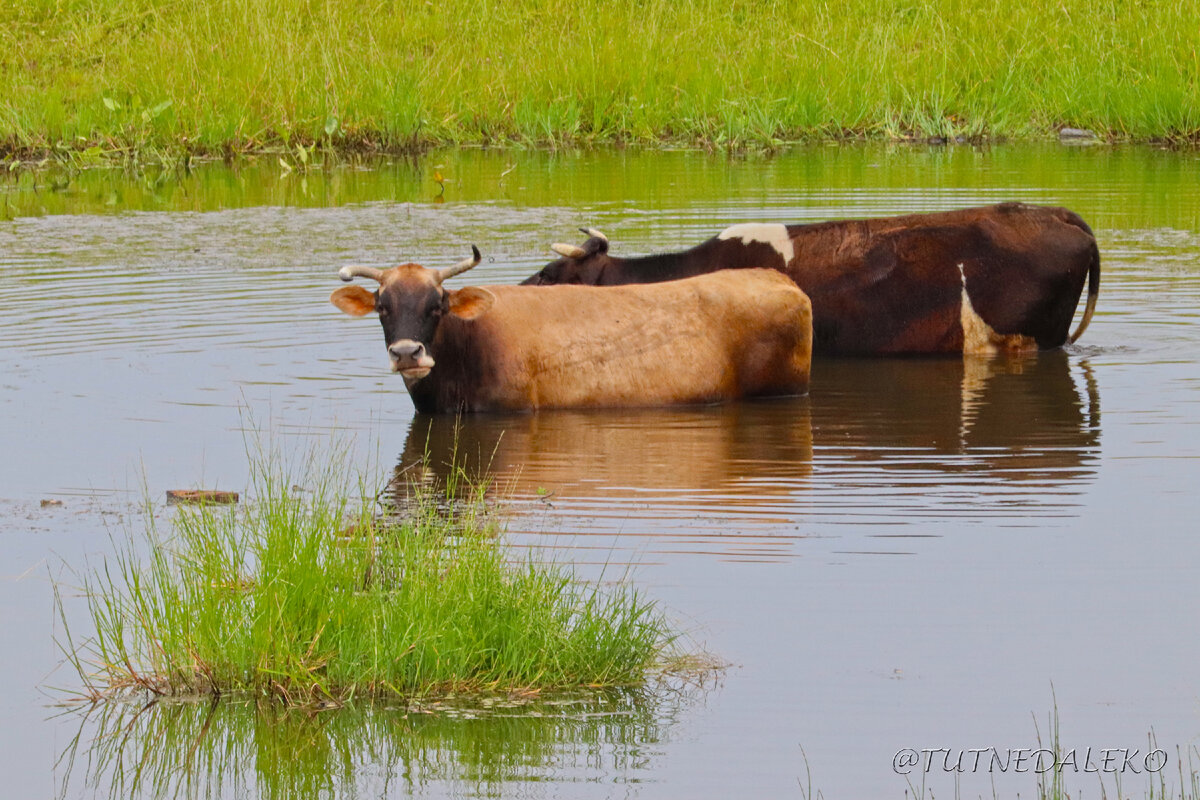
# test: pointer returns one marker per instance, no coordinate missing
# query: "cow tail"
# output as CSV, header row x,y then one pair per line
x,y
1093,293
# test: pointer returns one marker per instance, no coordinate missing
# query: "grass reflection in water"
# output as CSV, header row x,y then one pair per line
x,y
262,748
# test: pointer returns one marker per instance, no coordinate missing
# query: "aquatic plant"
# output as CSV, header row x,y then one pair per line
x,y
315,598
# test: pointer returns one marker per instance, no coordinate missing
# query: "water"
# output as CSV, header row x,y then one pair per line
x,y
920,554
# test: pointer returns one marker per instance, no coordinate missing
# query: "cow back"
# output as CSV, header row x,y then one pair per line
x,y
706,339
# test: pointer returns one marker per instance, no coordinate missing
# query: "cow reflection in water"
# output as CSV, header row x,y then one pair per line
x,y
1021,419
598,453
989,421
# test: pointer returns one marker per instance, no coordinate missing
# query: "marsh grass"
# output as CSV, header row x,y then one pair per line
x,y
170,78
1052,784
1069,774
315,598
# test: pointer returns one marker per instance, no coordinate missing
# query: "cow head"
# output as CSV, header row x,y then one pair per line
x,y
578,264
411,302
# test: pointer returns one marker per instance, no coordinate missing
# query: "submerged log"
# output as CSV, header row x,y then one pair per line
x,y
176,496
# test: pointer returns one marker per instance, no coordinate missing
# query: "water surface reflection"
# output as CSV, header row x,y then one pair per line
x,y
235,748
1019,419
142,325
878,442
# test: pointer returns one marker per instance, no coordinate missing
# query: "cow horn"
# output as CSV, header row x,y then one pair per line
x,y
593,232
462,266
350,273
568,250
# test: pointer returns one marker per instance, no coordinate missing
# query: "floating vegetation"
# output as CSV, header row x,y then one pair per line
x,y
316,599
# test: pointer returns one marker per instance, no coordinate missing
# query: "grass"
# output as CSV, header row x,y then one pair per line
x,y
314,599
171,78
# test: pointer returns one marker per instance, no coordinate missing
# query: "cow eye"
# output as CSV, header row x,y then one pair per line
x,y
383,312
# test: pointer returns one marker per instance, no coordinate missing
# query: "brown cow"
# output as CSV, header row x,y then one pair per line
x,y
980,280
502,348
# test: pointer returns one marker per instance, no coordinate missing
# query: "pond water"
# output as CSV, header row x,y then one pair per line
x,y
922,553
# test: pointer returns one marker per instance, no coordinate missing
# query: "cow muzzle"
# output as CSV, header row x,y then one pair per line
x,y
410,359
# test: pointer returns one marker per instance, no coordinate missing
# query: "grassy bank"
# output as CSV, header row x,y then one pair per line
x,y
310,597
171,77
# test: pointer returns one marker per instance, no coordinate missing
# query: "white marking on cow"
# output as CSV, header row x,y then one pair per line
x,y
773,233
977,334
416,363
979,338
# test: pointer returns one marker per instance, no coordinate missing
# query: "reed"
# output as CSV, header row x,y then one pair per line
x,y
314,598
169,78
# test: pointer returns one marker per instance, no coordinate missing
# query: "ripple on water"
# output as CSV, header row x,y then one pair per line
x,y
924,520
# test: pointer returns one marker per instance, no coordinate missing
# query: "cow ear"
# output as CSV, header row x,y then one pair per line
x,y
469,302
353,300
595,246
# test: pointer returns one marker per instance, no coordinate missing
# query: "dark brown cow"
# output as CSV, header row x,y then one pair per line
x,y
980,280
502,348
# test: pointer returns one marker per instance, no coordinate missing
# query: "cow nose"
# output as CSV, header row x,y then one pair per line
x,y
407,350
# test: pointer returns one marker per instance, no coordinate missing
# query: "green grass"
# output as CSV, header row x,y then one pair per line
x,y
314,598
149,78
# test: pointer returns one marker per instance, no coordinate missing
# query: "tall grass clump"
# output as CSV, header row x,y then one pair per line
x,y
314,597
